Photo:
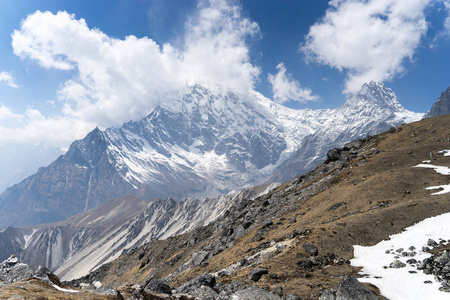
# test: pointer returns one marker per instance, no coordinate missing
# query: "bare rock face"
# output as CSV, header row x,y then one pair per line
x,y
441,106
12,271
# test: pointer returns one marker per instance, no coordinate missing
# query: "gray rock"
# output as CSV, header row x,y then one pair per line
x,y
396,264
11,272
311,249
334,154
204,293
327,295
253,293
352,145
351,289
432,243
267,223
201,280
158,286
278,291
107,291
292,297
257,273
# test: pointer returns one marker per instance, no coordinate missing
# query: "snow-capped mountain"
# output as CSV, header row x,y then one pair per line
x,y
371,110
203,141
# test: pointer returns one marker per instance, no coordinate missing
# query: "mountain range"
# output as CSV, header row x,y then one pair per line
x,y
294,241
202,142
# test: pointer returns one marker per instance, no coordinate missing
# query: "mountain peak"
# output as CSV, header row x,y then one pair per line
x,y
441,106
375,94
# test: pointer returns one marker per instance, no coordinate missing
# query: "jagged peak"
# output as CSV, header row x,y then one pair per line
x,y
375,93
441,106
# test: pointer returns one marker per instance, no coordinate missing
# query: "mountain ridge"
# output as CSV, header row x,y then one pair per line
x,y
202,142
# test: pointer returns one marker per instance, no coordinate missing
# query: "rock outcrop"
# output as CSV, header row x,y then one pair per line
x,y
441,106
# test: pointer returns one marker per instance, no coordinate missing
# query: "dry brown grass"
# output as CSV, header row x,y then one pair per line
x,y
33,289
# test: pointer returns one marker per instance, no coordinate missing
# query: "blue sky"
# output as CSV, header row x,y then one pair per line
x,y
68,66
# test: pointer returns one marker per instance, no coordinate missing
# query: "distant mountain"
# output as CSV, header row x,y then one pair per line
x,y
441,106
76,246
202,142
371,110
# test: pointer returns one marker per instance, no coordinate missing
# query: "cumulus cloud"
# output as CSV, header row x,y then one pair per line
x,y
8,79
119,80
285,88
370,40
6,114
33,127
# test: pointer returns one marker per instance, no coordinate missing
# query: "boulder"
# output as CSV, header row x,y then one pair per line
x,y
351,289
311,249
199,281
12,271
334,154
204,293
327,295
396,264
158,286
257,273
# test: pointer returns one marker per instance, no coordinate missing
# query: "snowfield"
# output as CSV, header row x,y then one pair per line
x,y
399,283
406,282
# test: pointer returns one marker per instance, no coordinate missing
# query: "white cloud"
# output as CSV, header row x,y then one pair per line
x,y
6,114
285,88
370,40
34,128
447,20
8,79
120,80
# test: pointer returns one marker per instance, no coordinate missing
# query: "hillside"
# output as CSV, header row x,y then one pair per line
x,y
369,193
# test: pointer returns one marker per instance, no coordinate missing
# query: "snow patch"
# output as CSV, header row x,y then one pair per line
x,y
400,283
64,290
441,170
445,152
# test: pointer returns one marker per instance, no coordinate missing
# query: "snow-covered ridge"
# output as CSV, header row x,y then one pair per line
x,y
219,140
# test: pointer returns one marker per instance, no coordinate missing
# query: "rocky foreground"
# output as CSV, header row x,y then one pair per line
x,y
20,281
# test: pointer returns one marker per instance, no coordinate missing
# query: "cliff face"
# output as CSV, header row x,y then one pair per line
x,y
441,106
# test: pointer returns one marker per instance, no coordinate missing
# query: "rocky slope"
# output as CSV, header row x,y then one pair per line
x,y
82,243
441,106
298,239
203,141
